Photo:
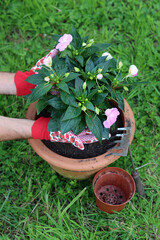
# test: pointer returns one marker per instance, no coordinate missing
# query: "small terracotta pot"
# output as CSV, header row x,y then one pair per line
x,y
113,188
78,168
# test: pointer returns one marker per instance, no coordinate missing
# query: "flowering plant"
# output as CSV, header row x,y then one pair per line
x,y
77,84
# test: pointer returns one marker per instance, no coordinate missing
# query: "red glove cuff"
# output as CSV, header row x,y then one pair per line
x,y
39,129
23,87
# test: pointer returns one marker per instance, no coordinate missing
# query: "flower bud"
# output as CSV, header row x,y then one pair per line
x,y
91,41
52,75
76,69
79,104
84,85
100,91
66,74
69,46
47,79
107,55
99,76
133,70
83,108
100,70
48,61
120,64
84,44
97,110
125,88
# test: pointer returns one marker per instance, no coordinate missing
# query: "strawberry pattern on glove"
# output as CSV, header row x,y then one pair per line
x,y
69,137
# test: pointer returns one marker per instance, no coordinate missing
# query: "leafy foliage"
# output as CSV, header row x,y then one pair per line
x,y
82,95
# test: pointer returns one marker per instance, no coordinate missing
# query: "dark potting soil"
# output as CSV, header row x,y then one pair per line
x,y
91,150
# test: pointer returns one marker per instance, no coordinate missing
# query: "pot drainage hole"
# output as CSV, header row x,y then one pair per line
x,y
112,195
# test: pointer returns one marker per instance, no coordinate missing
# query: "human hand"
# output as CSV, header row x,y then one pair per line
x,y
39,131
23,87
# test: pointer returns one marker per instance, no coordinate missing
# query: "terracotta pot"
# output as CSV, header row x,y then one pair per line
x,y
113,188
77,168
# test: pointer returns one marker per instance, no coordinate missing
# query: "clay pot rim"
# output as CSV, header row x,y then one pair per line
x,y
110,169
73,164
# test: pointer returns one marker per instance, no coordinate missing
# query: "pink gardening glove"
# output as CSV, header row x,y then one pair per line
x,y
23,87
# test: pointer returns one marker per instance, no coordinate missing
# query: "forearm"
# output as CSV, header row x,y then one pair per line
x,y
12,128
7,85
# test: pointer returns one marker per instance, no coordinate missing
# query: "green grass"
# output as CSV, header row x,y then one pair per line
x,y
37,203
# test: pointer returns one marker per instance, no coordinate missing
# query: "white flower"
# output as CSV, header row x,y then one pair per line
x,y
107,55
133,70
100,76
48,61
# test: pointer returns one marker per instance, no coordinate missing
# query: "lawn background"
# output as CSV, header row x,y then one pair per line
x,y
33,199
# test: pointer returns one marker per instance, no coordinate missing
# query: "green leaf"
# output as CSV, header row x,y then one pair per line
x,y
70,124
68,99
80,59
100,60
71,77
99,98
89,105
78,87
41,104
57,103
111,63
77,41
54,125
91,84
94,124
44,71
92,93
105,133
59,65
71,113
35,79
62,85
89,65
71,63
120,101
88,52
101,46
39,91
78,128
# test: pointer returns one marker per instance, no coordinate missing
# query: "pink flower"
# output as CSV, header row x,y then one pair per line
x,y
99,76
64,41
111,114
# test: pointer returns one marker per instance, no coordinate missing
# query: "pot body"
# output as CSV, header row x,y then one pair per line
x,y
77,168
113,188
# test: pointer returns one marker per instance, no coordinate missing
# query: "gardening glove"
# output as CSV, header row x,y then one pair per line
x,y
23,87
39,131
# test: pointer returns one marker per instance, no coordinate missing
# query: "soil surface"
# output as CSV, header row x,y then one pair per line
x,y
91,150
